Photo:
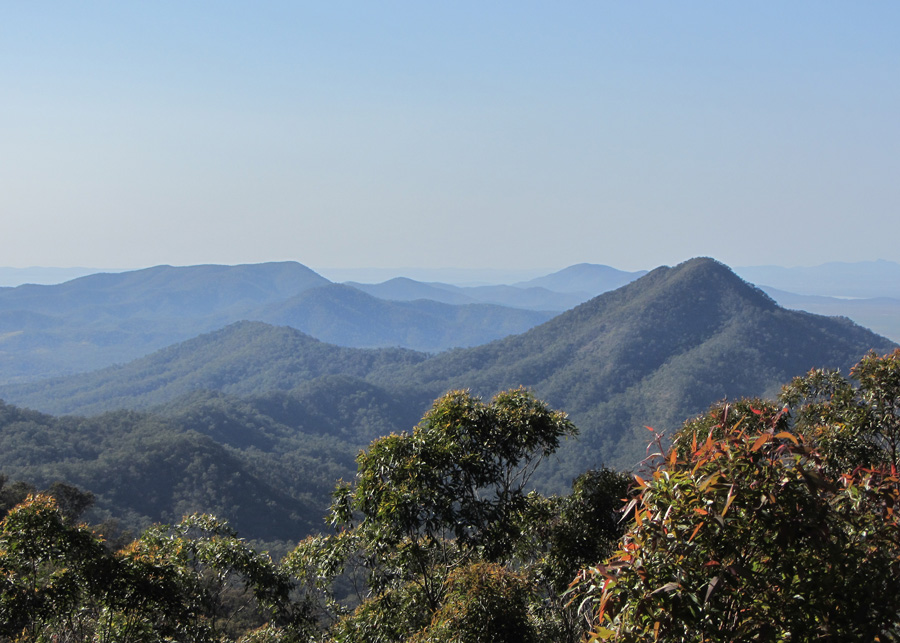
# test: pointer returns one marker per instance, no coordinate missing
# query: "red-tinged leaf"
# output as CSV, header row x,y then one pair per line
x,y
702,512
787,435
673,456
761,440
696,529
709,480
640,481
756,411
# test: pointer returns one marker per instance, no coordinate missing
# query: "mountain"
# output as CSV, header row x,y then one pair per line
x,y
651,353
344,315
255,422
880,314
243,358
584,278
862,279
103,319
107,318
529,298
405,289
164,291
10,277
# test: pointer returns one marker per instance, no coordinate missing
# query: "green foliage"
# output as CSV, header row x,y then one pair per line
x,y
195,581
742,533
427,512
851,425
583,528
461,473
484,602
48,568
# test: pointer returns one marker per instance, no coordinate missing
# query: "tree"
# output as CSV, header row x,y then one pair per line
x,y
49,569
451,494
745,531
484,602
851,425
195,581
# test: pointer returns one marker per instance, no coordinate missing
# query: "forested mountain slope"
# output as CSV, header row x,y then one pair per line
x,y
243,358
266,463
650,353
659,349
880,314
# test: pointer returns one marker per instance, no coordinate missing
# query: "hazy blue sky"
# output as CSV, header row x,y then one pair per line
x,y
466,134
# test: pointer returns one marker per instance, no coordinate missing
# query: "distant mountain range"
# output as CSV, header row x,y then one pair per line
x,y
254,415
107,318
651,352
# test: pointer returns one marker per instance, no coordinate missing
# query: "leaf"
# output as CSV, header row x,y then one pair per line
x,y
696,529
710,479
668,587
712,587
761,440
787,435
602,634
730,499
628,508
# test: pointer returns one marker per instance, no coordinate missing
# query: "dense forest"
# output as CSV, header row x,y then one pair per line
x,y
769,520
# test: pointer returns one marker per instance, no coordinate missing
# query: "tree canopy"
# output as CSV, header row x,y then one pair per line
x,y
765,522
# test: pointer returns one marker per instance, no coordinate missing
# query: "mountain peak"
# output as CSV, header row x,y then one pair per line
x,y
704,277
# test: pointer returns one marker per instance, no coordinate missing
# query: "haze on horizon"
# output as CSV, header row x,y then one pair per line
x,y
500,135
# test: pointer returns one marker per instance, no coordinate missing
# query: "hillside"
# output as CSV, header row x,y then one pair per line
x,y
663,347
880,314
651,353
143,468
243,358
103,319
346,316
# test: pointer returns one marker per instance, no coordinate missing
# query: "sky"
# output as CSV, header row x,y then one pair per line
x,y
477,135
